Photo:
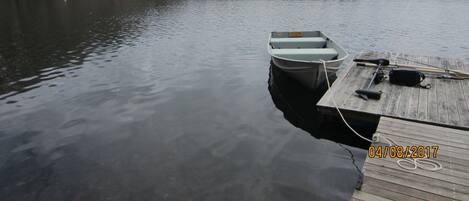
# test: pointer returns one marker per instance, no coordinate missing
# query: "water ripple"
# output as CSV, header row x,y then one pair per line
x,y
170,97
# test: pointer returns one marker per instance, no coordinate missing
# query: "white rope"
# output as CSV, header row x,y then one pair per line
x,y
337,108
426,164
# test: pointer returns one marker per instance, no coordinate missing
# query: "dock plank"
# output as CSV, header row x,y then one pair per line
x,y
384,179
362,196
454,109
463,96
391,192
432,99
414,99
405,93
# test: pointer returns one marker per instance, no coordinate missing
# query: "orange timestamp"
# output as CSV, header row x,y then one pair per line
x,y
397,151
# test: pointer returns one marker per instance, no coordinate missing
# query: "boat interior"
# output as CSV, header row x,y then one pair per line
x,y
304,46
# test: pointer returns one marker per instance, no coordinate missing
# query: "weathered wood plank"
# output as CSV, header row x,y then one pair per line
x,y
425,184
360,82
414,98
452,110
350,98
395,191
432,129
338,94
409,137
405,93
453,137
446,176
432,103
396,94
403,131
463,96
422,110
441,90
417,185
449,166
360,195
387,96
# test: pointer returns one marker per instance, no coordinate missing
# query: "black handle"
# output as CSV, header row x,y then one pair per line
x,y
383,62
369,94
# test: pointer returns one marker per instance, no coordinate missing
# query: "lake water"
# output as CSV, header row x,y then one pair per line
x,y
176,100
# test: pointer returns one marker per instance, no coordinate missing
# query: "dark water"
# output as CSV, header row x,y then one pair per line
x,y
176,100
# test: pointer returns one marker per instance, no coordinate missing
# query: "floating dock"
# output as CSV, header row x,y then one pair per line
x,y
383,179
411,116
445,104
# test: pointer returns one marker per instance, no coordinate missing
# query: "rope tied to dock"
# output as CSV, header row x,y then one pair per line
x,y
414,163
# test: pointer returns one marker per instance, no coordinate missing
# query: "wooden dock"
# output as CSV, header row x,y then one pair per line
x,y
384,180
411,116
445,104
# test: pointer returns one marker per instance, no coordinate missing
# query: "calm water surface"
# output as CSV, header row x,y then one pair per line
x,y
176,100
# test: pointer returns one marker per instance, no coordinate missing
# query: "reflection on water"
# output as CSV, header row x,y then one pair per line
x,y
295,101
169,100
298,105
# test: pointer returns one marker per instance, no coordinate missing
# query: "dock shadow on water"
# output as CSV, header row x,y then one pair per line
x,y
298,105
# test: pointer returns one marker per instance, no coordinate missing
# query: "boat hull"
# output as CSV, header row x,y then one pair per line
x,y
310,75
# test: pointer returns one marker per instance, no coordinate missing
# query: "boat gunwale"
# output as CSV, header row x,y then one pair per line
x,y
269,50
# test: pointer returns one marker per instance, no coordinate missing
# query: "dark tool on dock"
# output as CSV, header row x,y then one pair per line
x,y
378,76
408,78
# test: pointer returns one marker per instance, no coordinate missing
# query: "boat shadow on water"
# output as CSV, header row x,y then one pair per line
x,y
298,105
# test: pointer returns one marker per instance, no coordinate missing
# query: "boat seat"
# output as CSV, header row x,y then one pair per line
x,y
314,54
307,42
